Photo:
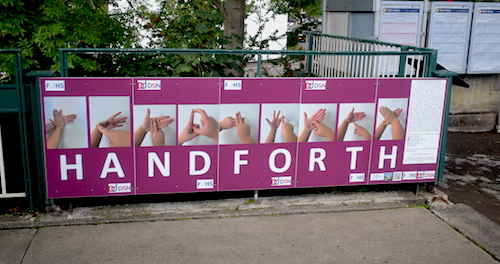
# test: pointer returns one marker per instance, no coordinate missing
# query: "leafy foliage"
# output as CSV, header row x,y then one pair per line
x,y
196,24
40,28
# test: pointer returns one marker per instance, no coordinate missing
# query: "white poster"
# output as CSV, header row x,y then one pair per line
x,y
484,52
449,31
425,118
401,22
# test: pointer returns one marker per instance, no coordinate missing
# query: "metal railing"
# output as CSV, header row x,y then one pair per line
x,y
12,103
359,58
328,56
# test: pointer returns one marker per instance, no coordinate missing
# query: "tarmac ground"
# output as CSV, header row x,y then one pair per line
x,y
472,172
365,227
457,222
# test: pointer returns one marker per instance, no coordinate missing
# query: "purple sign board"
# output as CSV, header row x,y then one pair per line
x,y
128,136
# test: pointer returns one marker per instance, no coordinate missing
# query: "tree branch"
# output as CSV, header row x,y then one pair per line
x,y
221,8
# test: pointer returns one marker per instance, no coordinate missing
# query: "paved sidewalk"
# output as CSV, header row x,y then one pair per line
x,y
373,227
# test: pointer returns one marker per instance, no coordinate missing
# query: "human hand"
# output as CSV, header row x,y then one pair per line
x,y
318,117
287,131
157,134
354,116
275,123
359,130
112,122
58,118
69,118
162,121
323,131
188,132
210,126
389,115
243,130
227,123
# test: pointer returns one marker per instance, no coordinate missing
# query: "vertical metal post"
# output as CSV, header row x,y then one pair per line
x,y
37,136
444,132
430,65
442,152
259,64
63,63
310,42
22,120
402,63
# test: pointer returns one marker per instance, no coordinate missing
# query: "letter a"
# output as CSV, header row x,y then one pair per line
x,y
112,157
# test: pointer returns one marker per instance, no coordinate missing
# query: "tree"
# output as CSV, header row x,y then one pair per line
x,y
41,27
234,12
196,24
296,8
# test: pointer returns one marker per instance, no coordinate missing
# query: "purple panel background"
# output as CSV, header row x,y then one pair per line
x,y
394,88
179,180
399,161
330,177
91,86
255,175
341,91
93,162
265,90
180,91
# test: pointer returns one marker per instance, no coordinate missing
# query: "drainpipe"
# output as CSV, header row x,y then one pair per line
x,y
377,5
423,33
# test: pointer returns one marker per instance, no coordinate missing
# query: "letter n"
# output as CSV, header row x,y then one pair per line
x,y
163,167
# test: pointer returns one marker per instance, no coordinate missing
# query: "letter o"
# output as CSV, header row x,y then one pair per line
x,y
272,160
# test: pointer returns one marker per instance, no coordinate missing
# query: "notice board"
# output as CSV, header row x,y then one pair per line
x,y
484,51
449,33
131,136
401,22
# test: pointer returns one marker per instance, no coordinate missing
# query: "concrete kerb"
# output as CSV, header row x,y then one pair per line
x,y
264,206
470,223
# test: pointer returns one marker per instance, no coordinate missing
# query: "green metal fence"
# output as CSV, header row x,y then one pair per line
x,y
354,58
21,157
366,58
327,56
14,175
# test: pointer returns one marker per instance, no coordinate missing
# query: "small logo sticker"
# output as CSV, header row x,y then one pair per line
x,y
205,184
356,177
315,85
397,176
232,85
119,187
429,175
281,181
409,175
55,86
377,177
148,85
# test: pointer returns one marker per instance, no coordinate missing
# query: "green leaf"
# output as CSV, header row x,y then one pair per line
x,y
202,28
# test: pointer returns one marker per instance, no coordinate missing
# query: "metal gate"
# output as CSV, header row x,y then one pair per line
x,y
12,128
